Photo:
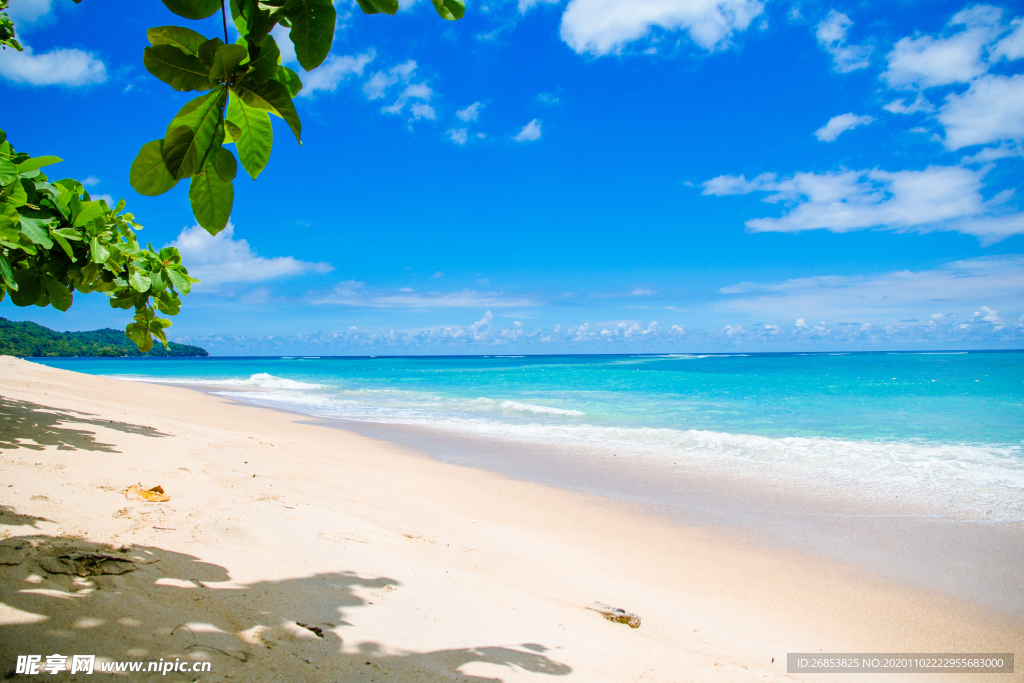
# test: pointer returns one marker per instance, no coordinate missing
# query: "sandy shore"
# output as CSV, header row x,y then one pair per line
x,y
413,569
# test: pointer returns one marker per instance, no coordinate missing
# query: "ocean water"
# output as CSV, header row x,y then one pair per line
x,y
942,431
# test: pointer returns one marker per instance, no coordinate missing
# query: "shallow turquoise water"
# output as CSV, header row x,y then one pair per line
x,y
947,428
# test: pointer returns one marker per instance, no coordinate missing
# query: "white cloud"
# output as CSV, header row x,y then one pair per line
x,y
937,198
919,104
549,99
526,5
354,293
831,35
333,71
222,259
377,85
28,11
438,274
90,181
458,135
992,110
470,113
959,286
599,27
837,125
62,66
927,61
419,91
529,132
1012,46
284,44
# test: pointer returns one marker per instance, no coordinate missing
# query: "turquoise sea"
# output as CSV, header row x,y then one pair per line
x,y
942,430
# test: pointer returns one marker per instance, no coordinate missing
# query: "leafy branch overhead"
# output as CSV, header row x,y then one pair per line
x,y
243,84
56,240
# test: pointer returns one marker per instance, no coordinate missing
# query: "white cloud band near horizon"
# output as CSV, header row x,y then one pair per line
x,y
62,66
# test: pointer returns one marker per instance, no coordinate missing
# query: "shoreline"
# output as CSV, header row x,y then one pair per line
x,y
907,544
483,567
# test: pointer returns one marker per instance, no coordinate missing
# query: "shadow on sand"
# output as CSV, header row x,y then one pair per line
x,y
172,605
22,421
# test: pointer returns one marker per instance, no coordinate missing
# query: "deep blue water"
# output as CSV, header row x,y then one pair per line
x,y
945,427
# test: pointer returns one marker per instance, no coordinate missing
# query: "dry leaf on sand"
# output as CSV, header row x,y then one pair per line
x,y
153,495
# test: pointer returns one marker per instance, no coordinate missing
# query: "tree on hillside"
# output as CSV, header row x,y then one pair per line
x,y
55,239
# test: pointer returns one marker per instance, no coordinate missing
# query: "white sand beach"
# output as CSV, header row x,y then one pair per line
x,y
410,568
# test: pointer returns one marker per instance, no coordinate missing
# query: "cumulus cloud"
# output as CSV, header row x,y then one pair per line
x,y
831,35
333,71
470,113
600,27
529,132
377,85
1012,46
937,198
933,294
355,293
458,135
991,110
838,125
919,104
929,61
28,11
63,66
222,259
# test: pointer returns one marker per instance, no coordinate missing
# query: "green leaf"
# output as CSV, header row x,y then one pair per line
x,y
175,67
193,135
100,254
193,9
265,66
29,287
139,281
211,200
231,131
224,164
6,273
207,51
289,79
90,211
60,297
225,62
36,230
273,97
18,195
37,162
256,138
59,239
450,9
182,281
312,30
8,172
185,38
375,6
148,174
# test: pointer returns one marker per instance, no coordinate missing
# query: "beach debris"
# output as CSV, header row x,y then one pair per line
x,y
616,614
12,551
153,495
313,629
85,563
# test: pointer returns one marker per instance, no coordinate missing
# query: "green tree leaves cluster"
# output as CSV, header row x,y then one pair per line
x,y
244,83
7,38
56,240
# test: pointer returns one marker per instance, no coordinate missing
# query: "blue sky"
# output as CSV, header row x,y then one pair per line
x,y
583,176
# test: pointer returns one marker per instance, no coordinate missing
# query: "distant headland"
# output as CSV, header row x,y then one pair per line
x,y
35,341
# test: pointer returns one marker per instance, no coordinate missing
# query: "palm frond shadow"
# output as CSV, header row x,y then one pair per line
x,y
33,426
